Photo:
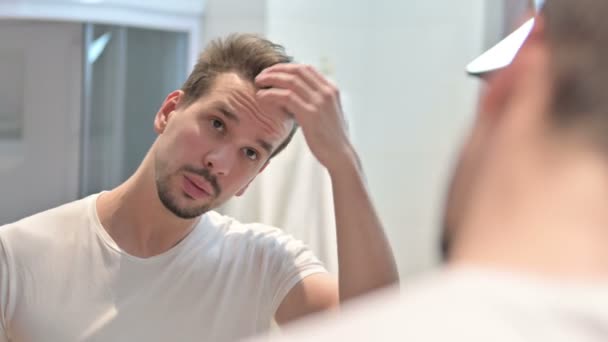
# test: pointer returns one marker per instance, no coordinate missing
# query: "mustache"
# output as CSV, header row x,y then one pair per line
x,y
206,174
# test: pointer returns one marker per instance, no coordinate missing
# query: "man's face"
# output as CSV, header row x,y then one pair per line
x,y
211,149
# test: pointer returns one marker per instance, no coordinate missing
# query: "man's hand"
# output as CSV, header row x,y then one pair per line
x,y
365,258
303,92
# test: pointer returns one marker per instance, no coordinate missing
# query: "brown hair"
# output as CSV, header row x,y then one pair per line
x,y
245,54
577,33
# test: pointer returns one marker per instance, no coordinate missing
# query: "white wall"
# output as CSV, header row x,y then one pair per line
x,y
401,66
222,17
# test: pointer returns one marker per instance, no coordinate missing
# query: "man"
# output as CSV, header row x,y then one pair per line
x,y
527,211
151,261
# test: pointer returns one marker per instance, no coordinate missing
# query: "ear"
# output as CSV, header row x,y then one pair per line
x,y
242,191
496,91
501,85
167,109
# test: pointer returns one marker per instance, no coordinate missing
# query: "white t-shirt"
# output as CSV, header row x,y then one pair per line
x,y
467,305
63,278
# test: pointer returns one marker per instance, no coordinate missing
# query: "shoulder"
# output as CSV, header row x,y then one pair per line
x,y
254,233
42,229
259,239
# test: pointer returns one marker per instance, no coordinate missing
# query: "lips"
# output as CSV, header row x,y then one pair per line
x,y
197,188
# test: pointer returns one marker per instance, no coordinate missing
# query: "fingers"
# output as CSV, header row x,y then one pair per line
x,y
304,72
288,100
327,89
299,90
319,88
283,80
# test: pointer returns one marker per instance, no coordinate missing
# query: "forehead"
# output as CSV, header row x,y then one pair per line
x,y
235,98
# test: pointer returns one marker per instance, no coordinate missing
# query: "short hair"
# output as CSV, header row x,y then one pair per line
x,y
577,35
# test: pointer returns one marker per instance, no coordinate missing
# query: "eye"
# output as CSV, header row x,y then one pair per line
x,y
251,153
217,125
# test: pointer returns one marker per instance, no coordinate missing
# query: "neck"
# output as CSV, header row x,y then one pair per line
x,y
545,216
136,219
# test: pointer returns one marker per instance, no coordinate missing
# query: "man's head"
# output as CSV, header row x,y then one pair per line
x,y
213,136
552,92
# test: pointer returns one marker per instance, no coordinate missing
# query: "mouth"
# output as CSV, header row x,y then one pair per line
x,y
196,188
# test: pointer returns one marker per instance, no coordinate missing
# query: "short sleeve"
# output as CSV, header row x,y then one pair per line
x,y
289,262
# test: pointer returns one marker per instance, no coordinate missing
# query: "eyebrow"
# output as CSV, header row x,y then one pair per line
x,y
228,114
233,117
266,145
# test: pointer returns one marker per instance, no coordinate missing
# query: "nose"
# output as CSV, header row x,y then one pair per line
x,y
220,160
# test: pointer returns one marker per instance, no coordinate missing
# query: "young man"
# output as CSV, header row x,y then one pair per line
x,y
527,211
151,261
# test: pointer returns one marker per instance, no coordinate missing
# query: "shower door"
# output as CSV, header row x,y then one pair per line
x,y
40,98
